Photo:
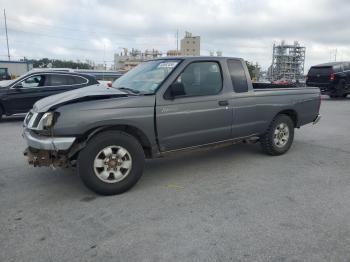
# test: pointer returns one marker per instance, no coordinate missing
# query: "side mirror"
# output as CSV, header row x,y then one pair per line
x,y
177,89
18,86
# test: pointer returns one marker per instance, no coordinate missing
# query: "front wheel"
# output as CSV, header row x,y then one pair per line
x,y
111,163
279,137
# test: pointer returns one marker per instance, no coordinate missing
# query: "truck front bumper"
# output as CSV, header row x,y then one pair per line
x,y
47,143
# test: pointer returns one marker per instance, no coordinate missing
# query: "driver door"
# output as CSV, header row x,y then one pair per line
x,y
200,115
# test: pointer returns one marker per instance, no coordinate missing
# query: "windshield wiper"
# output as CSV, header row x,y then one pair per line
x,y
129,90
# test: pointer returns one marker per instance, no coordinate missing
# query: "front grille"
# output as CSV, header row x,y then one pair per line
x,y
32,119
28,117
37,120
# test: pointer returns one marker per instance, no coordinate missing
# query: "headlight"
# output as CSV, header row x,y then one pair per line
x,y
47,120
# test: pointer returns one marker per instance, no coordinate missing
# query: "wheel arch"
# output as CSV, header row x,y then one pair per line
x,y
292,114
129,129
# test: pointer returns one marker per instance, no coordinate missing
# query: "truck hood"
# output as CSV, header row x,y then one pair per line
x,y
94,92
5,83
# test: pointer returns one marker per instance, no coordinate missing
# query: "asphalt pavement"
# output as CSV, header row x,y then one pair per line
x,y
228,204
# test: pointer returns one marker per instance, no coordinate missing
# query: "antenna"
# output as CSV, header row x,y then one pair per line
x,y
7,38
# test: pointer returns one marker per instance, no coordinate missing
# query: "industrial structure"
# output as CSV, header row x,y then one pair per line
x,y
127,60
190,45
173,53
218,53
287,62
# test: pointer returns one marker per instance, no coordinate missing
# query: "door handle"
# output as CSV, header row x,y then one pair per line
x,y
223,103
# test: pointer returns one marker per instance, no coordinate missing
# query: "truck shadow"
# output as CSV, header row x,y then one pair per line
x,y
164,170
157,172
340,99
9,119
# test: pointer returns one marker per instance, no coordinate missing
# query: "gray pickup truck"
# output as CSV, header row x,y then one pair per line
x,y
162,106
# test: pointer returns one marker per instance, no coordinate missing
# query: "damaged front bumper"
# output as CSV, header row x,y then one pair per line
x,y
47,151
46,142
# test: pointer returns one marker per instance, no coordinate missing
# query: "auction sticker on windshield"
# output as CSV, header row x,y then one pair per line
x,y
167,65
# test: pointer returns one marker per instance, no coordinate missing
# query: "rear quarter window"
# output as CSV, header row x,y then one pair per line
x,y
238,76
346,66
58,80
320,71
78,80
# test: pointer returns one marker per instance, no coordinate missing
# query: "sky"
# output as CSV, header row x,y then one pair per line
x,y
96,29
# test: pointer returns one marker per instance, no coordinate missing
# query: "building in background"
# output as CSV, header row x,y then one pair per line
x,y
13,69
173,53
218,53
127,60
287,62
190,45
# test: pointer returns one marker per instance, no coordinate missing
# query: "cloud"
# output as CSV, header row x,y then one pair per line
x,y
58,50
248,29
102,44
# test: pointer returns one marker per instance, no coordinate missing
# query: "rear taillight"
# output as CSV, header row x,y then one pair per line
x,y
109,84
331,77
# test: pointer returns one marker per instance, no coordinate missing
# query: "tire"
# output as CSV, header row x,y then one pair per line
x,y
1,113
111,163
340,88
269,142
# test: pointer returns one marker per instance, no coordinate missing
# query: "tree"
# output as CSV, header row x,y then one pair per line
x,y
56,63
254,70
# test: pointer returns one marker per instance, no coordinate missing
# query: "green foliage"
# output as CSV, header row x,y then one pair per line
x,y
55,63
254,69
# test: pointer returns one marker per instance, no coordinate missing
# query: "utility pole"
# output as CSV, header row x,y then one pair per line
x,y
177,41
335,55
7,38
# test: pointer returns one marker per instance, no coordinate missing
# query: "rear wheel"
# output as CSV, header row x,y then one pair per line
x,y
279,137
340,88
111,163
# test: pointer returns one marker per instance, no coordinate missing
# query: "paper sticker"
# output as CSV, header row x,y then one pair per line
x,y
167,65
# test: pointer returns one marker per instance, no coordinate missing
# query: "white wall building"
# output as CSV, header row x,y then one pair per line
x,y
190,45
15,68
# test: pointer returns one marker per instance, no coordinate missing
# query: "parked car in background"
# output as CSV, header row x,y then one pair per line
x,y
4,74
19,95
332,78
103,77
162,106
282,81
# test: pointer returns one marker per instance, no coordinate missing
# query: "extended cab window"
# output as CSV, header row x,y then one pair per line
x,y
34,81
201,79
238,76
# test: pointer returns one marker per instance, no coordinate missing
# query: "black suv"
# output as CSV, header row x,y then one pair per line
x,y
19,95
332,78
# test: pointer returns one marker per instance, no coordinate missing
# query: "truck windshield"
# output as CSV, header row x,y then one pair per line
x,y
146,77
